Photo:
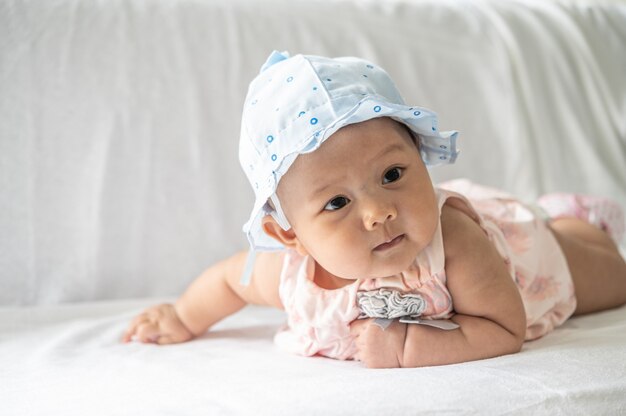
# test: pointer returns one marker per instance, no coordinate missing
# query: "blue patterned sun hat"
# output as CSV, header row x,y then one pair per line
x,y
296,103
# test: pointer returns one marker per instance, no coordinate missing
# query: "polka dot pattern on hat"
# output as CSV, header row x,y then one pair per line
x,y
296,103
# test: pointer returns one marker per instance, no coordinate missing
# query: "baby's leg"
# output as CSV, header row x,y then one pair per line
x,y
597,268
604,213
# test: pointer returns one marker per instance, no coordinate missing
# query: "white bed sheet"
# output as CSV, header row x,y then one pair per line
x,y
67,360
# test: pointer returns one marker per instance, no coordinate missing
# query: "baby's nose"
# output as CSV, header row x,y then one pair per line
x,y
377,213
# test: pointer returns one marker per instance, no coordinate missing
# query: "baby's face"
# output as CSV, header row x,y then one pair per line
x,y
363,204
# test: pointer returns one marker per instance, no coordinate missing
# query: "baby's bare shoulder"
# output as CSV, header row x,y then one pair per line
x,y
461,233
469,253
472,260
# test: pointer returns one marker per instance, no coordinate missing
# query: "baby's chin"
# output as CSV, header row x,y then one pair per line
x,y
394,269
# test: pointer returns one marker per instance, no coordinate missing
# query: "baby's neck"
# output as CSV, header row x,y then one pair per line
x,y
327,280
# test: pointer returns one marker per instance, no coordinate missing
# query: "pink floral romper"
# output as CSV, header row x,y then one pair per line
x,y
318,319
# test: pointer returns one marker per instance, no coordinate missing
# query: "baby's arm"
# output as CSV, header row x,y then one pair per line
x,y
489,308
486,300
214,295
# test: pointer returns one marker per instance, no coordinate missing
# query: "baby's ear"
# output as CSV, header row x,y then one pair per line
x,y
287,238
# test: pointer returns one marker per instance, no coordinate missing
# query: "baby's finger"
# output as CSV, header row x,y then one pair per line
x,y
147,332
143,316
132,327
166,339
137,320
128,336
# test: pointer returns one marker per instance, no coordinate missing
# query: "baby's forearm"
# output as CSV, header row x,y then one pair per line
x,y
477,338
210,298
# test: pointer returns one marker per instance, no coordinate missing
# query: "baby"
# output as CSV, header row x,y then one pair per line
x,y
367,258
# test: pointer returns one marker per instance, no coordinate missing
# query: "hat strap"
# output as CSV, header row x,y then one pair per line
x,y
278,214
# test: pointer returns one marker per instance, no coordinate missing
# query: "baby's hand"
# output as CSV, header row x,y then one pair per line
x,y
158,324
377,347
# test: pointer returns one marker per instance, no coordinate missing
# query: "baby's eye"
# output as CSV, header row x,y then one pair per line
x,y
336,203
392,175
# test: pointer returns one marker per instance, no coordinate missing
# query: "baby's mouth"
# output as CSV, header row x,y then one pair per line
x,y
389,244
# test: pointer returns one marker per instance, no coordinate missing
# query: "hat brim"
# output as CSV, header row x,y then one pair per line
x,y
436,148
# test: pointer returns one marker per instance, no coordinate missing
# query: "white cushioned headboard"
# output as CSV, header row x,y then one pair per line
x,y
119,120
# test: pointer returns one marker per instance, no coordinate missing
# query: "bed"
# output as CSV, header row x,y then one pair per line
x,y
67,360
119,184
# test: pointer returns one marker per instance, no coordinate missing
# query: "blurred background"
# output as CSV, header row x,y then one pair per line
x,y
119,119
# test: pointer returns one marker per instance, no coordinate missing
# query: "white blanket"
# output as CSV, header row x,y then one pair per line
x,y
67,360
